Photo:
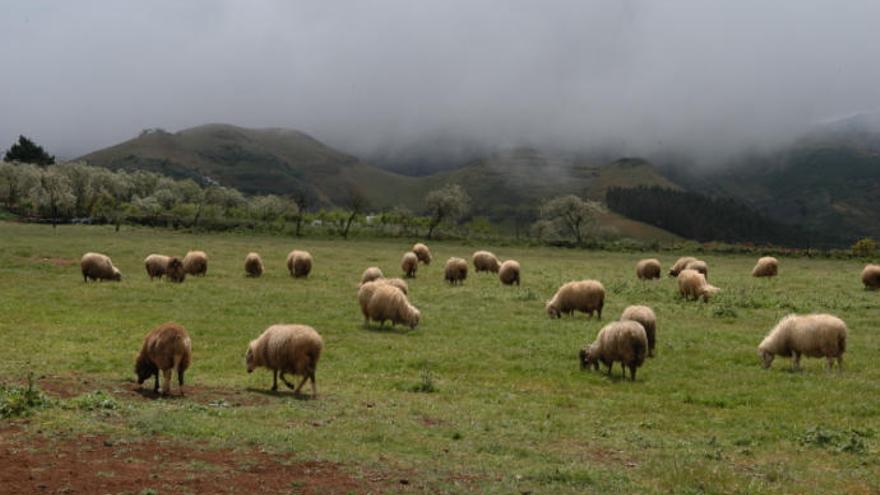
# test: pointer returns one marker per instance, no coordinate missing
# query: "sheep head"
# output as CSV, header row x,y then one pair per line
x,y
144,368
117,275
552,311
249,358
415,318
588,357
766,358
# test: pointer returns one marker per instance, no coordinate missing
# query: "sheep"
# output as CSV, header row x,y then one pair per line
x,y
455,271
366,290
484,261
624,341
390,303
509,272
195,263
97,266
291,349
409,264
646,317
871,277
586,296
766,267
680,265
814,335
648,269
370,274
692,285
253,265
170,267
700,266
166,348
423,253
299,263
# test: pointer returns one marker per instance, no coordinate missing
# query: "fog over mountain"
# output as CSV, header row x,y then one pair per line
x,y
391,79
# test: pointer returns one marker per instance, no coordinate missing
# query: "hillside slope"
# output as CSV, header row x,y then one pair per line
x,y
255,161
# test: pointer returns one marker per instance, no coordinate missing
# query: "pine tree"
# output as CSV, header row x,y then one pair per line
x,y
26,151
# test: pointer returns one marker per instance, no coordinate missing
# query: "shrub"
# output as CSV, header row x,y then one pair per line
x,y
865,248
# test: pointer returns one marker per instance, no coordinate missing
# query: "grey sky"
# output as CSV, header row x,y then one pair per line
x,y
705,77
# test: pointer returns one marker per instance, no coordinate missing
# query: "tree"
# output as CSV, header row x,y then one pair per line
x,y
26,151
53,196
569,215
357,203
16,181
448,203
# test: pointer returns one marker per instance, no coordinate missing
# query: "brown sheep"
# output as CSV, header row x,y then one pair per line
x,y
484,261
680,265
166,348
390,303
195,263
409,264
370,274
509,272
422,252
648,269
766,267
871,277
253,265
586,296
365,292
299,263
455,271
97,266
815,335
293,349
170,267
700,266
645,316
692,285
623,341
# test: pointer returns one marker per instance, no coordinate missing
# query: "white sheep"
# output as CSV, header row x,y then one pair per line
x,y
767,266
586,296
871,277
409,264
391,304
692,285
253,265
813,335
97,266
455,271
371,273
423,253
648,269
680,265
284,349
484,261
299,263
509,272
645,316
621,341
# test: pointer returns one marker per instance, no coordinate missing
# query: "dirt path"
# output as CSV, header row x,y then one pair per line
x,y
98,465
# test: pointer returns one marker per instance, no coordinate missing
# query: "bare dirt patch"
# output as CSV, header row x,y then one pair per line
x,y
101,464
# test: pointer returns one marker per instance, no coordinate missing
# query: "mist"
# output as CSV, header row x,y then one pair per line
x,y
380,79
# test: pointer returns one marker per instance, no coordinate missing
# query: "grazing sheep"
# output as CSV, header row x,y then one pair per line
x,y
170,267
365,292
585,296
767,266
692,285
423,253
814,335
97,266
645,316
700,266
291,349
166,348
195,263
624,341
299,263
390,303
484,261
509,272
370,274
680,265
455,271
409,264
648,269
253,265
871,277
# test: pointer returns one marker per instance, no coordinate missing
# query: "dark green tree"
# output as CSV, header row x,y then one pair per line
x,y
27,151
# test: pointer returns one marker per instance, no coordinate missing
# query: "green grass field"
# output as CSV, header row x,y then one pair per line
x,y
511,412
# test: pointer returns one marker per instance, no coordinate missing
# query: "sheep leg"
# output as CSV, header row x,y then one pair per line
x,y
166,382
180,381
314,385
274,380
632,372
796,361
840,363
156,386
303,381
288,384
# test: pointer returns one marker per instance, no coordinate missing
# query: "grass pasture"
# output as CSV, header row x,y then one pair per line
x,y
510,411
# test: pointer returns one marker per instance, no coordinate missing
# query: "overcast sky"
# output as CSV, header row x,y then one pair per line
x,y
705,77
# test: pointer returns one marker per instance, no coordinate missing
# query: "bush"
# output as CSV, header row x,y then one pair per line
x,y
865,248
17,401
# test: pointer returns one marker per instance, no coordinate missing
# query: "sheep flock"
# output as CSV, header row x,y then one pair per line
x,y
296,348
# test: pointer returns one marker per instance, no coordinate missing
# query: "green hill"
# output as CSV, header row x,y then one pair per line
x,y
255,161
506,186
